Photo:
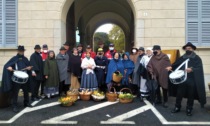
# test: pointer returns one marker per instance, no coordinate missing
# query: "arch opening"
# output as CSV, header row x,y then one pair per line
x,y
109,33
80,19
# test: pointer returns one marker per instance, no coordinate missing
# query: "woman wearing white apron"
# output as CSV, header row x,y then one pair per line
x,y
144,61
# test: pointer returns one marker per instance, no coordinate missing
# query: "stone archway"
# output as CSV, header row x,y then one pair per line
x,y
85,12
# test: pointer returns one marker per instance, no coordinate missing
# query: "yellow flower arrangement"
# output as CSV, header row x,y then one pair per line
x,y
66,100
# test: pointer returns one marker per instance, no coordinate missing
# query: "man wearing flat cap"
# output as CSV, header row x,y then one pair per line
x,y
66,45
89,50
18,62
37,72
157,68
193,87
80,49
63,62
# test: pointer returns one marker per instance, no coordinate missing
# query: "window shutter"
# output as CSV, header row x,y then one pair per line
x,y
193,21
1,26
205,22
10,23
192,33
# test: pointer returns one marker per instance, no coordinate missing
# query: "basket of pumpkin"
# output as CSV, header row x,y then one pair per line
x,y
73,93
85,94
98,95
125,97
66,101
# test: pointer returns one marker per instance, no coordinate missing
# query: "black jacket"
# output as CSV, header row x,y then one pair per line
x,y
37,63
21,61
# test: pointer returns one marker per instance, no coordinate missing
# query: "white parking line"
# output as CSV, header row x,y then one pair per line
x,y
19,114
59,119
116,120
27,109
165,122
119,119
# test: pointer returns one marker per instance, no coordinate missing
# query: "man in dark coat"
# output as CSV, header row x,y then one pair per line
x,y
18,62
37,72
193,87
157,68
44,55
101,69
66,45
80,49
63,62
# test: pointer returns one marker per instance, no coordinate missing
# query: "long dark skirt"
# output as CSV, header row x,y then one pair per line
x,y
51,91
89,81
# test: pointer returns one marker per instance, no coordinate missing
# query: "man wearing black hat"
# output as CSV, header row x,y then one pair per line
x,y
18,62
193,87
157,68
63,62
37,72
66,45
80,49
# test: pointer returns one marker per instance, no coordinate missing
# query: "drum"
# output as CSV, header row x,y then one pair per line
x,y
178,77
20,77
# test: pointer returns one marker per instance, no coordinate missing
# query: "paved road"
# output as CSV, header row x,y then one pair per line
x,y
90,113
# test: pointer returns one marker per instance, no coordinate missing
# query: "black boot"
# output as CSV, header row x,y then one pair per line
x,y
165,105
27,105
189,112
15,109
175,110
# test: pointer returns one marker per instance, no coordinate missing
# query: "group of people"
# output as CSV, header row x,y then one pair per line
x,y
77,69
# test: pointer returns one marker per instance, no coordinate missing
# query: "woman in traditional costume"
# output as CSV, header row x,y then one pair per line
x,y
128,69
89,80
51,75
75,69
114,65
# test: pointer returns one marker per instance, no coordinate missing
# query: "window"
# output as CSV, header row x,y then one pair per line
x,y
8,23
198,22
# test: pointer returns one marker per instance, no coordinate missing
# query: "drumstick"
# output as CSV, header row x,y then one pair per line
x,y
22,69
26,68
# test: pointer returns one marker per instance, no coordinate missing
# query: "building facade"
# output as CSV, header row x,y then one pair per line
x,y
169,23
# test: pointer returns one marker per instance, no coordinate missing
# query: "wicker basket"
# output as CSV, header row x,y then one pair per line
x,y
111,96
73,96
84,97
125,100
98,99
116,78
67,105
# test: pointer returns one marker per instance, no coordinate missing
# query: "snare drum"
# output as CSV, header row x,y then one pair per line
x,y
178,77
20,77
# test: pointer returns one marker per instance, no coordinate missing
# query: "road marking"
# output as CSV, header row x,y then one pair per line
x,y
155,111
59,119
165,122
27,110
116,120
119,119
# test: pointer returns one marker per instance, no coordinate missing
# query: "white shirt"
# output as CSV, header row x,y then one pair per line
x,y
145,60
86,63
